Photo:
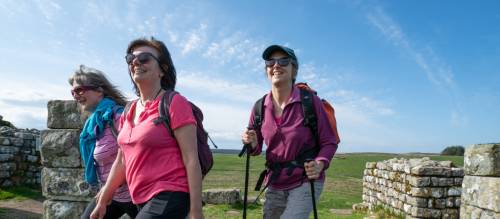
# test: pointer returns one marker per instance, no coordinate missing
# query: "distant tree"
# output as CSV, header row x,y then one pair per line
x,y
5,123
456,150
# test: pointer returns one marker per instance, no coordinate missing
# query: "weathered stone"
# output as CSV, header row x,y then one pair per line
x,y
371,165
6,157
60,148
454,191
425,213
419,181
439,203
482,192
416,201
65,184
430,171
221,196
9,150
8,166
4,141
449,214
63,209
438,181
482,160
468,211
457,172
64,114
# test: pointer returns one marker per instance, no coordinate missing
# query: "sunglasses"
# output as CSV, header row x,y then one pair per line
x,y
281,62
142,57
80,90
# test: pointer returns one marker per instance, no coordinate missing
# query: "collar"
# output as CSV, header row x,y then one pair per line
x,y
294,97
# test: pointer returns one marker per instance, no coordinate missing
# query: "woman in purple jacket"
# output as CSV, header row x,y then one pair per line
x,y
292,156
98,146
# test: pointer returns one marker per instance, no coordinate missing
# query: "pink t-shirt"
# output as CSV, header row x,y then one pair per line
x,y
153,159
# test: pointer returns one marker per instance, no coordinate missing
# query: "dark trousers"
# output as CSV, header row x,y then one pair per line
x,y
113,211
165,205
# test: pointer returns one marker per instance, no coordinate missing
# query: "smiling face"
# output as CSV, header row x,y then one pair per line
x,y
278,74
87,97
148,70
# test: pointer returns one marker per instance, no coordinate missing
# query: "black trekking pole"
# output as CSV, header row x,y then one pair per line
x,y
313,194
246,148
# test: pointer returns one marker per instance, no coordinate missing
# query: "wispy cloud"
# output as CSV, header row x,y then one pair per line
x,y
195,39
437,71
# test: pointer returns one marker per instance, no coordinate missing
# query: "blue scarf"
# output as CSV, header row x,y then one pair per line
x,y
92,130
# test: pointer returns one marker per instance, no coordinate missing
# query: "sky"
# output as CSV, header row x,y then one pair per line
x,y
403,76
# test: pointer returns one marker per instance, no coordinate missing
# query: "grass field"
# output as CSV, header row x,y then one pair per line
x,y
343,186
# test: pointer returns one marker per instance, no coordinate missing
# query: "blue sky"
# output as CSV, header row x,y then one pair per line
x,y
403,76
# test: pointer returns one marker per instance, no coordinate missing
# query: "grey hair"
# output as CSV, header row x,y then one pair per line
x,y
92,77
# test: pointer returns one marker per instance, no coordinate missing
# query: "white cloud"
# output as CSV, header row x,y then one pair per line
x,y
195,39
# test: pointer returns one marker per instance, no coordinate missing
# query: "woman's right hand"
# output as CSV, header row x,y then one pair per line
x,y
99,210
249,137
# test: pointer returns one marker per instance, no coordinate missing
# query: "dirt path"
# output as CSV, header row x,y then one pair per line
x,y
27,208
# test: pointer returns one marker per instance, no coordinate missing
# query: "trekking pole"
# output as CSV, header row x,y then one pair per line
x,y
313,194
246,148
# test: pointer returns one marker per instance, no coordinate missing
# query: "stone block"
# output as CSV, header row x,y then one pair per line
x,y
221,196
425,213
430,171
63,209
416,201
9,150
438,181
8,166
6,157
482,160
60,148
439,203
64,114
417,181
457,172
4,141
468,211
482,192
371,165
66,184
450,214
454,191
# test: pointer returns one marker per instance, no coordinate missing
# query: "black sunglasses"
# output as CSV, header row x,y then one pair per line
x,y
142,57
281,61
80,90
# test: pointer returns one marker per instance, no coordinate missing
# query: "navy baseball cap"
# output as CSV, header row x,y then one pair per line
x,y
273,48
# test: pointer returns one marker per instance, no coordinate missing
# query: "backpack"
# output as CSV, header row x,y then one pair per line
x,y
310,117
204,153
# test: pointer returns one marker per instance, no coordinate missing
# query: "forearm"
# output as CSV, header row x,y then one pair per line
x,y
193,170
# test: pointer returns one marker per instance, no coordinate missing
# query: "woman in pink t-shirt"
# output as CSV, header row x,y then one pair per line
x,y
163,171
98,146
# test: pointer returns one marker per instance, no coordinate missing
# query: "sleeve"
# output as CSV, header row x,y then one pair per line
x,y
327,138
181,113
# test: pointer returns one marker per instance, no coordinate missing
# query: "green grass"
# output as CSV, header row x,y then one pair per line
x,y
20,193
343,186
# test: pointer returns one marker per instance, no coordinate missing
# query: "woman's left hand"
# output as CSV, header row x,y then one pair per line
x,y
313,168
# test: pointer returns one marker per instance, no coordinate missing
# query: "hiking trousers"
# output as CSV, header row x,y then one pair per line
x,y
295,203
113,211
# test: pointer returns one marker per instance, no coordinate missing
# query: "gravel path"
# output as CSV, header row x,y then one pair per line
x,y
28,208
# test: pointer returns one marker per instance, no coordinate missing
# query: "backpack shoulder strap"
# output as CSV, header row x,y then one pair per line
x,y
310,117
258,113
163,110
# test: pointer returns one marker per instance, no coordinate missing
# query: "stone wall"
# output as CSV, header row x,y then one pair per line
x,y
415,188
63,185
481,185
19,157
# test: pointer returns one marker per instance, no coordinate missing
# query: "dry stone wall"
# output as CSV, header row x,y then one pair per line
x,y
481,185
63,185
415,188
19,157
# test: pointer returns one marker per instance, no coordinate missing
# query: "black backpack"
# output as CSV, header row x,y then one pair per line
x,y
204,153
